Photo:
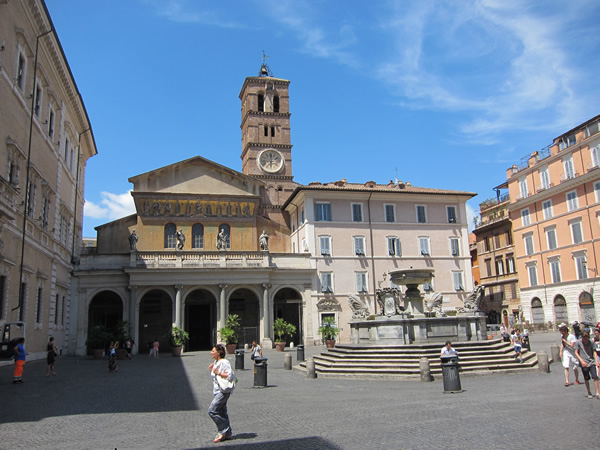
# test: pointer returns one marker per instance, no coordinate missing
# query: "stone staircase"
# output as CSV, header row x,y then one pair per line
x,y
476,358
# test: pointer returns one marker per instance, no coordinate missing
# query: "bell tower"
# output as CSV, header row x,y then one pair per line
x,y
266,141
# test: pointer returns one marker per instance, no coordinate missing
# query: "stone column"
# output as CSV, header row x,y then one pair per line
x,y
222,307
132,321
78,347
265,331
178,288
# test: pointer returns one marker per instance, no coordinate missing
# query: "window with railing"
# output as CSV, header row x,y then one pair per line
x,y
359,245
361,282
326,282
567,141
393,244
454,247
591,129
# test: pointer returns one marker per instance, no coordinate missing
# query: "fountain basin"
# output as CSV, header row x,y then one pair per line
x,y
408,277
397,330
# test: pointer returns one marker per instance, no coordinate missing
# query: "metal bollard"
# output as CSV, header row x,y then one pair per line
x,y
287,361
450,374
425,370
311,371
300,353
239,360
260,372
555,352
543,365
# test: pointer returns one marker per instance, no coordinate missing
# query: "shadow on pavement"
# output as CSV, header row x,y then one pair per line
x,y
84,386
299,443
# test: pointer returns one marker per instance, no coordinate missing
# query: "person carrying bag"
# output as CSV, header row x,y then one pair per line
x,y
256,351
223,385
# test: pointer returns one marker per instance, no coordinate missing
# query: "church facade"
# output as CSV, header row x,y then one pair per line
x,y
207,241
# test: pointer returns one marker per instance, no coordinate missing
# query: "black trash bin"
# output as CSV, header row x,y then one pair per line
x,y
300,353
260,372
239,360
450,374
526,343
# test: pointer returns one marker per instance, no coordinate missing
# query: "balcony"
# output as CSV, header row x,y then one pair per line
x,y
542,187
566,177
196,260
7,199
493,201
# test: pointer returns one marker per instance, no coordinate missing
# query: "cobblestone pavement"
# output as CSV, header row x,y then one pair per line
x,y
162,404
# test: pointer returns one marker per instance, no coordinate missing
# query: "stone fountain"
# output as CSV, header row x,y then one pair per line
x,y
413,318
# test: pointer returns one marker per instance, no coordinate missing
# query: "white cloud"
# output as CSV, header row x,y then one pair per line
x,y
330,41
113,206
471,213
506,64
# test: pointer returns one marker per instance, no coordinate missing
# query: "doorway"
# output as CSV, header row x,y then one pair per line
x,y
201,320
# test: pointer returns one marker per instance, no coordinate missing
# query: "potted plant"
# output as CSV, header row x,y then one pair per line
x,y
329,331
229,333
97,340
281,329
178,337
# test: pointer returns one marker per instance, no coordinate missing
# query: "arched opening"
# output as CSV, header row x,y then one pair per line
x,y
201,320
560,310
261,102
537,311
170,240
276,103
246,305
197,236
586,304
156,318
287,304
106,309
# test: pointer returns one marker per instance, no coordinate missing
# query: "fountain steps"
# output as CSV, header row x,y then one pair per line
x,y
476,358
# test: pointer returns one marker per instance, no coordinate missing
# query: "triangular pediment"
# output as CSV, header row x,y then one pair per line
x,y
196,176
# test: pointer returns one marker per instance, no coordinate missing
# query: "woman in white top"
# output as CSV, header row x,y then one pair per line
x,y
218,407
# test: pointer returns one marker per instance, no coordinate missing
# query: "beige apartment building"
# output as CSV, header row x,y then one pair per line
x,y
45,142
357,233
496,260
555,211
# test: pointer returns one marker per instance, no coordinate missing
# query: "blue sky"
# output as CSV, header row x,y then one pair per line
x,y
444,94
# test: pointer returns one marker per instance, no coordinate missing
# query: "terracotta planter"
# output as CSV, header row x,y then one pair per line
x,y
330,343
280,346
176,351
230,348
98,353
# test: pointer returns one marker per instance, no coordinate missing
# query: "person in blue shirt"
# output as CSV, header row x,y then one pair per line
x,y
19,361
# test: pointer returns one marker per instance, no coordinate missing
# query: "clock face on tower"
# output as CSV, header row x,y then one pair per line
x,y
270,161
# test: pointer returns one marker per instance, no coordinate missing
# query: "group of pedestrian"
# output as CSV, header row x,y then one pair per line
x,y
20,356
517,339
578,350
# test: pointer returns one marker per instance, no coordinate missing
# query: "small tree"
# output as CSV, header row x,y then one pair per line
x,y
229,333
281,329
328,330
178,337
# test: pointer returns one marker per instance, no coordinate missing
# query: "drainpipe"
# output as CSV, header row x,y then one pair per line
x,y
25,205
372,254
